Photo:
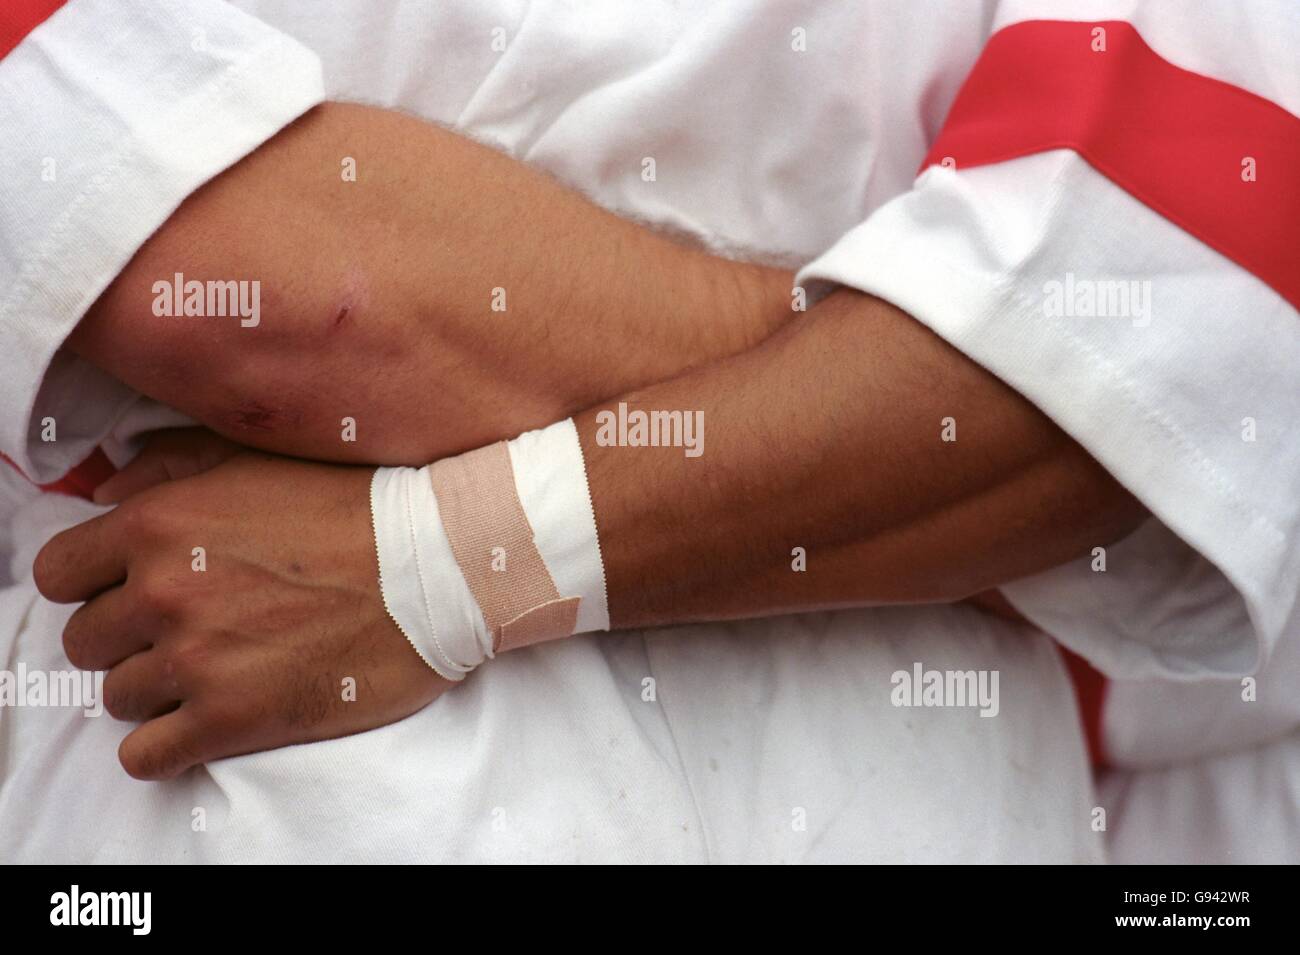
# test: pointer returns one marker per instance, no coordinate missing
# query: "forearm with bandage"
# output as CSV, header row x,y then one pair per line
x,y
825,438
491,550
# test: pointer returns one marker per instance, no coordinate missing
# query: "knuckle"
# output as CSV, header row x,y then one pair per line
x,y
130,517
185,657
155,592
147,516
151,518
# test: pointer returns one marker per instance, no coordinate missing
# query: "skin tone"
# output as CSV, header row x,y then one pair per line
x,y
844,459
796,426
396,271
253,652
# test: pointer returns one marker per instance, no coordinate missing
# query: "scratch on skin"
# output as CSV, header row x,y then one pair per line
x,y
257,417
356,294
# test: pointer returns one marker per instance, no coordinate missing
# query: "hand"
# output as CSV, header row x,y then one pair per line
x,y
168,455
274,633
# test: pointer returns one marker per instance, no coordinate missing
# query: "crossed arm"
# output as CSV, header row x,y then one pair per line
x,y
378,295
824,435
828,437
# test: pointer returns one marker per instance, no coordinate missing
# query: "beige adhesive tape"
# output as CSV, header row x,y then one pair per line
x,y
486,524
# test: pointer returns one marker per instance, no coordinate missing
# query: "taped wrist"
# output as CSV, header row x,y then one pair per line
x,y
490,550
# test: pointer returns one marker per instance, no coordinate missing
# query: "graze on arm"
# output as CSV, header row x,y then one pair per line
x,y
435,293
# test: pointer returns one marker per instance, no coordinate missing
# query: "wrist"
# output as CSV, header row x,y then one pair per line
x,y
489,551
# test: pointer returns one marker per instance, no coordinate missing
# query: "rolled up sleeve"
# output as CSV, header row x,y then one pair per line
x,y
113,113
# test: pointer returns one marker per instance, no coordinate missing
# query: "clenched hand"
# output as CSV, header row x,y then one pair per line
x,y
274,633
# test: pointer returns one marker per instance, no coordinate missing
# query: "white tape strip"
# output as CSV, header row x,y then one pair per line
x,y
422,585
551,479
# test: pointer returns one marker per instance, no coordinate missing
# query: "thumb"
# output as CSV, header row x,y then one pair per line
x,y
168,456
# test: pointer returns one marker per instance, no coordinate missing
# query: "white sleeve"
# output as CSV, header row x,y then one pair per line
x,y
113,112
1153,723
1189,399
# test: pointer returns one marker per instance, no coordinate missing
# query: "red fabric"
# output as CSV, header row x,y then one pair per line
x,y
19,17
82,480
1175,140
1090,695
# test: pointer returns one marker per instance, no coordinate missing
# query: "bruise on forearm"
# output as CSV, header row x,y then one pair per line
x,y
828,437
377,297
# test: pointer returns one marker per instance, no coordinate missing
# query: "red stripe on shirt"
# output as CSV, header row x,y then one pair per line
x,y
81,481
1173,139
1090,697
20,17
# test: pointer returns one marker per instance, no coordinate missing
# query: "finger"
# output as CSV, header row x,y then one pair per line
x,y
106,630
164,747
138,688
169,456
149,467
78,563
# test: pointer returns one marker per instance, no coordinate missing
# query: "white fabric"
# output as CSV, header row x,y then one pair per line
x,y
123,160
1207,771
1212,587
1213,717
1241,807
1208,587
565,752
771,742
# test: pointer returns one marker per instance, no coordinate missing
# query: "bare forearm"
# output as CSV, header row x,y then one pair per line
x,y
377,297
828,437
